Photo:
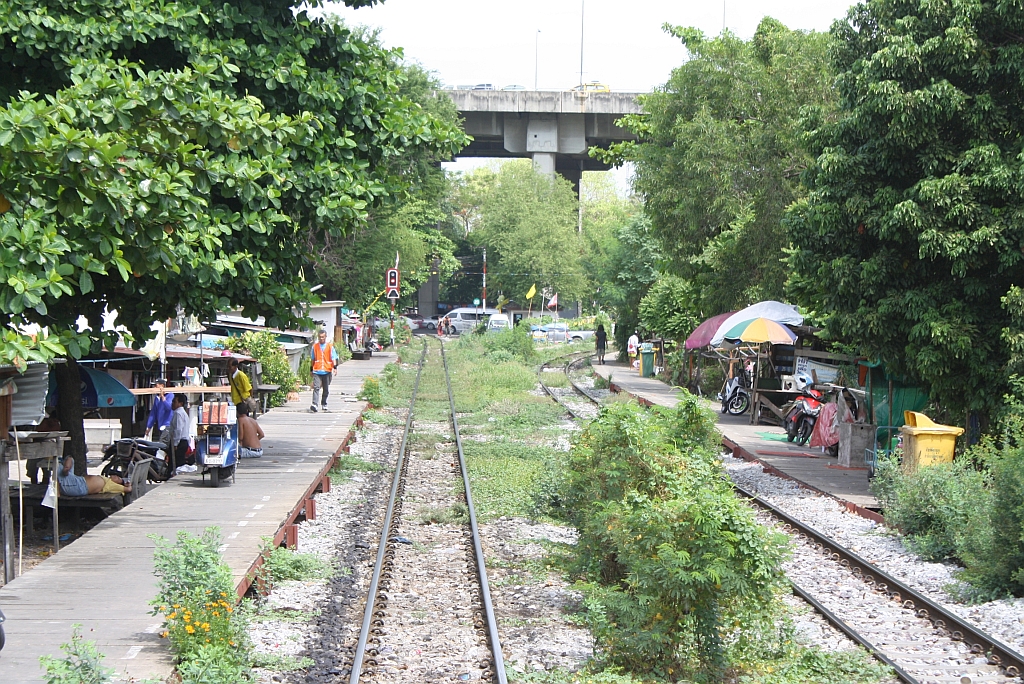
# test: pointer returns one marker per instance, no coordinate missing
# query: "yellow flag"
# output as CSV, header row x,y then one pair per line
x,y
533,291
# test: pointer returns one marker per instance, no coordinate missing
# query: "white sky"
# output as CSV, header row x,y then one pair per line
x,y
467,42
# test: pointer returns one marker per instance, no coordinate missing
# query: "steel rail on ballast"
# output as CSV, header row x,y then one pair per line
x,y
478,551
371,596
959,629
565,369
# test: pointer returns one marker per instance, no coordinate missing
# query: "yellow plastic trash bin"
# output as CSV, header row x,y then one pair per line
x,y
926,443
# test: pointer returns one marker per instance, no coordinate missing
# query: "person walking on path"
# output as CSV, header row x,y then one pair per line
x,y
249,435
160,415
241,387
325,366
601,337
632,346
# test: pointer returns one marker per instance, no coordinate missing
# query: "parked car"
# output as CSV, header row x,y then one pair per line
x,y
498,322
430,323
592,87
557,332
465,318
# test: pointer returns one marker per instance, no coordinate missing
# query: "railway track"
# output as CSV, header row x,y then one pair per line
x,y
578,410
398,566
922,641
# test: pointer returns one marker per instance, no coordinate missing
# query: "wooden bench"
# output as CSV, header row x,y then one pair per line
x,y
108,503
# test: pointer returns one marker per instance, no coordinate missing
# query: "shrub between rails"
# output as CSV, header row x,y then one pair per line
x,y
682,579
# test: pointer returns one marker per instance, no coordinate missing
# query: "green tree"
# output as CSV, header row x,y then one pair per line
x,y
911,236
719,157
631,267
528,223
157,156
417,225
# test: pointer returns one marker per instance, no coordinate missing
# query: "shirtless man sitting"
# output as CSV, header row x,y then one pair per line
x,y
249,434
81,485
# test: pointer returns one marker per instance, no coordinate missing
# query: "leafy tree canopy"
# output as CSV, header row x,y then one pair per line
x,y
528,223
912,235
719,158
421,227
157,155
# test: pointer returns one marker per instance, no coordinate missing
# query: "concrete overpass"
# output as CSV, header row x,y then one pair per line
x,y
555,129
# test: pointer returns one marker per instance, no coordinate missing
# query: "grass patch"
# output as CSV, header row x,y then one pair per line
x,y
504,475
381,418
347,464
281,663
553,379
457,514
281,564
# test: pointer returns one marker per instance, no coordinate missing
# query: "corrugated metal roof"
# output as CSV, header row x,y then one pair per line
x,y
29,403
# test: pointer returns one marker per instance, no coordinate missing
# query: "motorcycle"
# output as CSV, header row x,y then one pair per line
x,y
735,396
803,412
3,639
124,452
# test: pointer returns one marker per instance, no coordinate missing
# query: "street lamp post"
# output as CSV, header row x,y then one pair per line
x,y
536,60
485,280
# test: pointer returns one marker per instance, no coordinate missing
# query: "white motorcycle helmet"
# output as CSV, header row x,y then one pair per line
x,y
803,380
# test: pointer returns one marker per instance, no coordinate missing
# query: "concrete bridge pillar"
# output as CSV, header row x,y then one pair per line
x,y
544,162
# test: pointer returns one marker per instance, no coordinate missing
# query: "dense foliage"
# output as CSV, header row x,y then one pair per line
x,y
264,347
418,227
970,511
911,235
528,224
163,155
666,308
196,597
681,570
719,157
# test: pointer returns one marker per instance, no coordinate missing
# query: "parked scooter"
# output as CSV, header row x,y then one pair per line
x,y
803,411
3,639
735,396
217,452
122,453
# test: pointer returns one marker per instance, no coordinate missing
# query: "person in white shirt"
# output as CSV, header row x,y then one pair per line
x,y
632,346
179,432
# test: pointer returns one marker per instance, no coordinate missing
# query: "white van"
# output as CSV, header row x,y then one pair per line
x,y
466,318
498,322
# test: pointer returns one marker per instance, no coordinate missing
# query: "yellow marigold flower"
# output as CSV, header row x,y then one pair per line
x,y
190,629
223,593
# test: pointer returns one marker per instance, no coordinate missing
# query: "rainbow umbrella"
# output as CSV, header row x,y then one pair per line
x,y
759,330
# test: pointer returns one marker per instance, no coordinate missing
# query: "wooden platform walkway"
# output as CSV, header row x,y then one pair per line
x,y
104,580
755,442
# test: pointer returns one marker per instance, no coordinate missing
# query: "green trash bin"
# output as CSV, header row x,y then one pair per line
x,y
647,360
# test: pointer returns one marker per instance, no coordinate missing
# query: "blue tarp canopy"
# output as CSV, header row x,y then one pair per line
x,y
99,390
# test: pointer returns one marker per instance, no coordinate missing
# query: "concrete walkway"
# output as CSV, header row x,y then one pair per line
x,y
753,442
104,580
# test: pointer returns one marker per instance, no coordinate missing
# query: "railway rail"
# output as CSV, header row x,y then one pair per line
x,y
375,615
569,360
911,667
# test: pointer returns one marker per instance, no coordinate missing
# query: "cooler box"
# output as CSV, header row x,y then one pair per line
x,y
926,443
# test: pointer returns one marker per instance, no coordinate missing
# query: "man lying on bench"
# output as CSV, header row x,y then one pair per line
x,y
79,485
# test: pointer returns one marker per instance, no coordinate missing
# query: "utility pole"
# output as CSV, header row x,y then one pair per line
x,y
536,60
485,280
583,6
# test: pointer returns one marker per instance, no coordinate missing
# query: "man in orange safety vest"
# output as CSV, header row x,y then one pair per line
x,y
325,366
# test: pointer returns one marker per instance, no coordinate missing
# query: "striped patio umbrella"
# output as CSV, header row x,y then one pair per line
x,y
759,330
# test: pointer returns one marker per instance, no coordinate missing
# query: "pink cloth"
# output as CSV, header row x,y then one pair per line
x,y
826,428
